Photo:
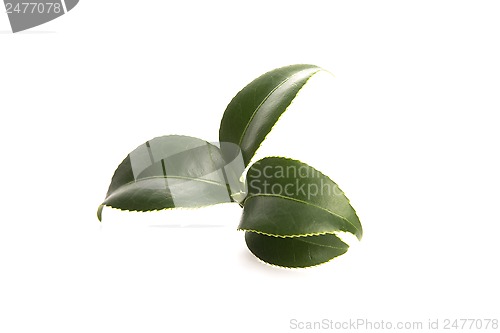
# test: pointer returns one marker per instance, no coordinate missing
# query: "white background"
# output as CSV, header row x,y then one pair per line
x,y
408,128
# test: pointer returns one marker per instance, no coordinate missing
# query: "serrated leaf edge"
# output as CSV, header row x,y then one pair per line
x,y
319,69
293,267
156,137
101,207
306,203
290,236
281,115
322,174
201,180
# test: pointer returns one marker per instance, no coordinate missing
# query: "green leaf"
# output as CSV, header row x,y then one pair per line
x,y
290,198
252,113
294,211
168,172
297,251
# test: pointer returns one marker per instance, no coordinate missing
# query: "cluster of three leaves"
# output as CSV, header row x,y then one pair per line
x,y
286,223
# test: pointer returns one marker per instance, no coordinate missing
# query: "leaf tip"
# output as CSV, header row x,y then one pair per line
x,y
99,212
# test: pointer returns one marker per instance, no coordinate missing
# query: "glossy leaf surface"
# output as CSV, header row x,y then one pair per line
x,y
168,172
252,113
289,198
297,251
294,211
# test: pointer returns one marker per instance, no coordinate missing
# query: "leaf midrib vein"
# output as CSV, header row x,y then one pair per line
x,y
174,177
259,107
303,239
304,202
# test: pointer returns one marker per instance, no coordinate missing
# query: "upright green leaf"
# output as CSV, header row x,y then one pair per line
x,y
252,113
168,172
294,211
